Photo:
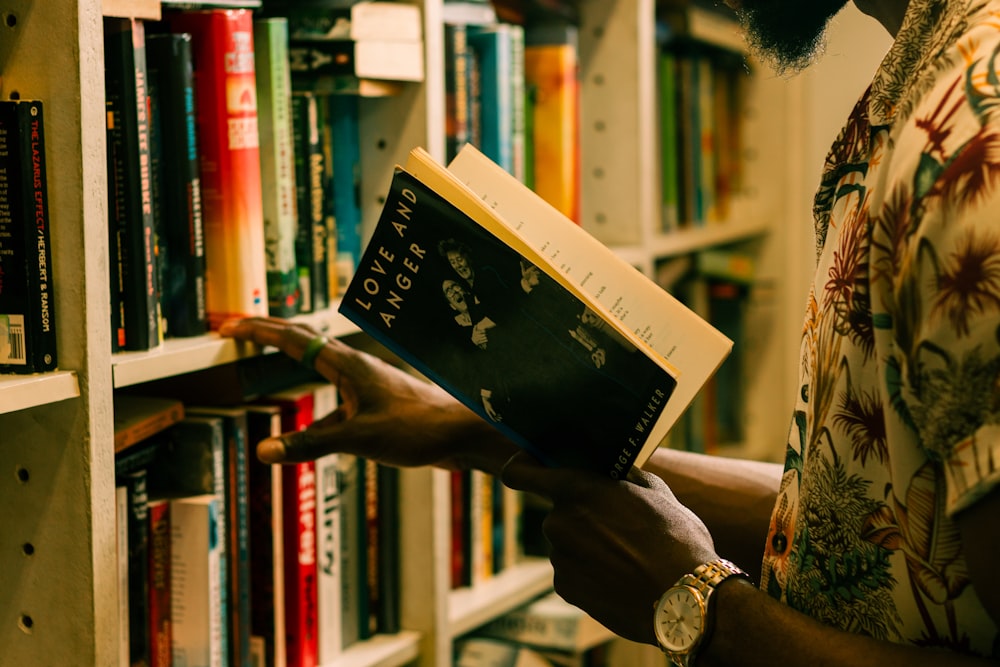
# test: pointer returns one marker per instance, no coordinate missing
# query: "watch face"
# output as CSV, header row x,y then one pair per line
x,y
680,620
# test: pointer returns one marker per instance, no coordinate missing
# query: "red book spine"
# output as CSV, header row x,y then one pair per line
x,y
229,158
159,584
301,622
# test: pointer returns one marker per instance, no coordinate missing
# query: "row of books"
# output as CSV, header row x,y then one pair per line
x,y
513,91
701,90
27,301
230,561
232,190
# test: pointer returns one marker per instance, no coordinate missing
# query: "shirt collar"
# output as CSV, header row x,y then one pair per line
x,y
929,28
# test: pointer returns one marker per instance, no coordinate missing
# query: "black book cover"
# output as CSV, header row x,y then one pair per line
x,y
176,184
503,337
27,302
135,317
311,242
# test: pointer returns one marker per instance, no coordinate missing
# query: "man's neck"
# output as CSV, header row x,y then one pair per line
x,y
888,12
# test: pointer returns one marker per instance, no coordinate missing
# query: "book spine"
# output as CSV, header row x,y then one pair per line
x,y
371,537
130,204
493,49
266,543
519,110
159,584
196,586
301,623
459,558
389,610
277,164
458,119
27,306
553,69
121,534
138,568
329,585
179,214
670,178
310,242
352,574
346,144
229,157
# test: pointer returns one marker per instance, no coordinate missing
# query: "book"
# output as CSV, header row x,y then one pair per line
x,y
369,59
353,594
389,610
548,622
197,607
494,49
277,164
298,486
529,321
552,69
329,607
235,508
457,83
121,569
27,301
343,121
311,238
138,567
361,21
139,417
328,84
267,587
135,313
177,184
160,632
229,158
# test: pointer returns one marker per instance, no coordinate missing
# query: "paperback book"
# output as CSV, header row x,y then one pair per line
x,y
528,320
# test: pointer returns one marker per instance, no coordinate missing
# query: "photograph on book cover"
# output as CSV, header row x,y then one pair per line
x,y
520,350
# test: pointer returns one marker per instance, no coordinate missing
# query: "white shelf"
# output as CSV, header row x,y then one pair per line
x,y
702,238
380,651
468,608
18,392
184,355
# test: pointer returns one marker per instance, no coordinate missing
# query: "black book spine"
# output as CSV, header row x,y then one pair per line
x,y
27,305
135,293
311,241
333,57
178,184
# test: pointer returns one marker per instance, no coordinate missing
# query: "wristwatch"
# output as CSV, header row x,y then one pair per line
x,y
681,619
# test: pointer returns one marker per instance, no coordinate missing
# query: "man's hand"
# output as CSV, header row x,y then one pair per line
x,y
385,413
616,546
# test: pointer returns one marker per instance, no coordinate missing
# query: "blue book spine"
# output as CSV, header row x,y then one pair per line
x,y
493,47
346,183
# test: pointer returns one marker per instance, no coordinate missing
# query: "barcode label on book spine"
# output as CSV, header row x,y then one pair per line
x,y
12,348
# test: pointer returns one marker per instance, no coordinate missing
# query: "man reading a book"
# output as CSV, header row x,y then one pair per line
x,y
876,542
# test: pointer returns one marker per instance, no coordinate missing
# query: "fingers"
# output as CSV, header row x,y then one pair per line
x,y
318,439
523,472
292,338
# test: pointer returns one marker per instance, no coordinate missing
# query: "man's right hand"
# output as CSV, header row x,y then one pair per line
x,y
385,414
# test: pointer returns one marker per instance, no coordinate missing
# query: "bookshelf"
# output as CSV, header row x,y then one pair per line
x,y
59,589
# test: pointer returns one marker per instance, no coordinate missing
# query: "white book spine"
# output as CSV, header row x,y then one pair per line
x,y
329,584
196,587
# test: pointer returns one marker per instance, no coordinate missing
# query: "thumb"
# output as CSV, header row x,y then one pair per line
x,y
305,445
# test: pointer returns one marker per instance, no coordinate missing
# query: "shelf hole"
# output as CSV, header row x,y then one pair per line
x,y
599,79
600,126
10,20
600,218
598,31
381,200
28,549
25,623
598,173
15,95
381,144
22,473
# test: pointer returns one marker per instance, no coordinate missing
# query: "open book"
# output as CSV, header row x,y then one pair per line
x,y
525,318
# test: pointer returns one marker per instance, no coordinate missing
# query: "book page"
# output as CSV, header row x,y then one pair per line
x,y
684,339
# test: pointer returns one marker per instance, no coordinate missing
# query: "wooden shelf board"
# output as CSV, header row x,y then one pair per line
x,y
468,608
18,392
184,355
139,9
380,651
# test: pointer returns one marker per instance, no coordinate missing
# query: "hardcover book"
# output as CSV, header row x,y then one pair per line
x,y
311,238
135,291
27,306
527,319
229,156
277,164
176,184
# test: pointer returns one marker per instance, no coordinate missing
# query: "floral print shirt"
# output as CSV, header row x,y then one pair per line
x,y
897,424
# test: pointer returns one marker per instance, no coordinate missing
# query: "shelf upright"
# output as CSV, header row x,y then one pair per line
x,y
58,595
